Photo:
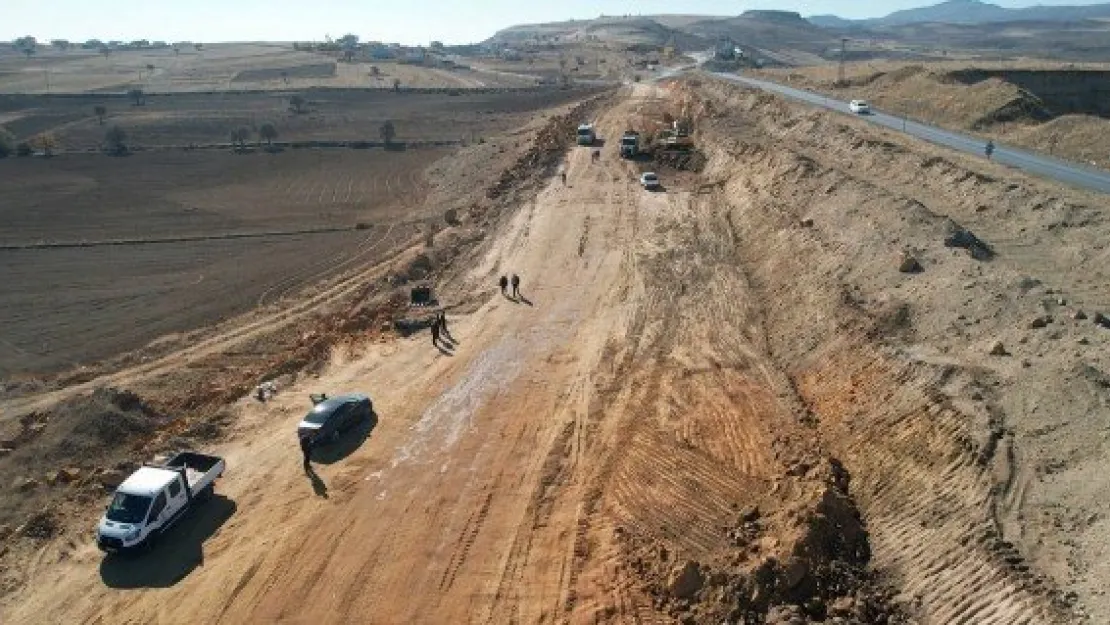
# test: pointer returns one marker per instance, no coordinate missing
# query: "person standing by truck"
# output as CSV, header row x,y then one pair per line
x,y
306,449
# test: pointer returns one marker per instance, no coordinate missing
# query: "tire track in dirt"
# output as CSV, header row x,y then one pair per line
x,y
921,469
922,478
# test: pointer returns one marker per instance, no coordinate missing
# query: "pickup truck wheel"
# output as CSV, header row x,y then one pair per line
x,y
205,493
148,543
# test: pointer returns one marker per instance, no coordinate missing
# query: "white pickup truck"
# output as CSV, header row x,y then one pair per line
x,y
155,497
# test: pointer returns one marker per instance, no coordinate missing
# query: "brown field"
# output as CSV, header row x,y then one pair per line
x,y
178,211
182,268
218,66
182,119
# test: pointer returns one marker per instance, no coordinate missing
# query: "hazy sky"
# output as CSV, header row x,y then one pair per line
x,y
406,21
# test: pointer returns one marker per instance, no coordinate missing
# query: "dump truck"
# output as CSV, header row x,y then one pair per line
x,y
154,497
586,134
630,144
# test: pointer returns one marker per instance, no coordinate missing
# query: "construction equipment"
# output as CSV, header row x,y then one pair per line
x,y
630,144
586,134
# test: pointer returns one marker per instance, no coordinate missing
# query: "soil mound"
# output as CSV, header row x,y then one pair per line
x,y
799,564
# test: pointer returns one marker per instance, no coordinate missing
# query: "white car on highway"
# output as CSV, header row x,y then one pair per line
x,y
859,107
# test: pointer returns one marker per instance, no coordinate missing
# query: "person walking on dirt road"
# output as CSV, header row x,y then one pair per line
x,y
504,282
563,175
516,285
435,332
306,449
442,319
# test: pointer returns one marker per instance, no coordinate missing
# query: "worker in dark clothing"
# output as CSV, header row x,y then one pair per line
x,y
516,285
564,176
435,332
443,324
306,449
504,284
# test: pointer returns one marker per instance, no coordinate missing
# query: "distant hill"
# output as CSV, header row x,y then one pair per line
x,y
968,12
626,30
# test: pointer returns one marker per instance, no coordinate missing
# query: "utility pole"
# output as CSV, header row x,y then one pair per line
x,y
840,70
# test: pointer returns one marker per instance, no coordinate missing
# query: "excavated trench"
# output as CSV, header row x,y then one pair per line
x,y
928,470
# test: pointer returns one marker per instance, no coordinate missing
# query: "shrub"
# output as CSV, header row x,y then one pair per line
x,y
23,149
116,140
7,143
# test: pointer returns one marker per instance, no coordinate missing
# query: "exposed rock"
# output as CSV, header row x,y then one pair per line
x,y
793,573
69,474
842,606
1079,315
907,263
52,477
785,615
24,484
749,515
40,525
998,349
686,581
110,478
1102,320
958,236
806,222
1039,322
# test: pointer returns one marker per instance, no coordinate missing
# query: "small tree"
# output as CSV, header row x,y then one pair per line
x,y
268,131
297,104
47,143
24,148
375,70
100,110
388,132
198,46
150,67
138,96
116,140
349,55
7,143
239,137
106,51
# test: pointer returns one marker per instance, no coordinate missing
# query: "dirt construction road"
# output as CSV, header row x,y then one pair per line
x,y
663,429
474,498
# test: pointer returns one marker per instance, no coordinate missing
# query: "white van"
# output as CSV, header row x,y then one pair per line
x,y
859,107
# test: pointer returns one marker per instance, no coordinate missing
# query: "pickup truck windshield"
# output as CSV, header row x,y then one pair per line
x,y
128,508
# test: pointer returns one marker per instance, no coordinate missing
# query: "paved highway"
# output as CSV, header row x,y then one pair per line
x,y
1048,167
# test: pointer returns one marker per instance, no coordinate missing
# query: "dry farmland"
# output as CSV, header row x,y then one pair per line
x,y
104,254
